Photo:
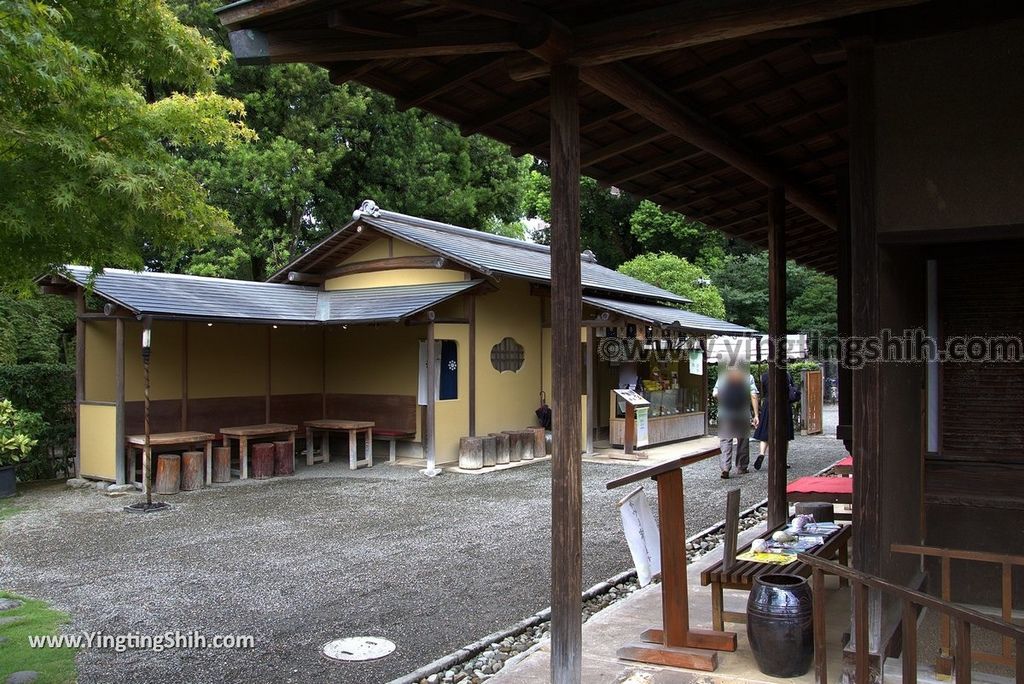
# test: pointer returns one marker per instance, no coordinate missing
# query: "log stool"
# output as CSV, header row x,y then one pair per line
x,y
528,440
471,453
515,446
501,448
168,474
193,464
490,451
821,510
284,458
221,464
262,460
540,448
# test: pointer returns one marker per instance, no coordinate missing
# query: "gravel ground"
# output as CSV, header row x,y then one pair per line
x,y
429,564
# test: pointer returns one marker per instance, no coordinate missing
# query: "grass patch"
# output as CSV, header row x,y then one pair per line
x,y
54,665
8,509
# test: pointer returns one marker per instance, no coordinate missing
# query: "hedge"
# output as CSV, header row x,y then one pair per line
x,y
49,390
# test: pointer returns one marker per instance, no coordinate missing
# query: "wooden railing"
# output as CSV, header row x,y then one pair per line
x,y
1006,562
861,583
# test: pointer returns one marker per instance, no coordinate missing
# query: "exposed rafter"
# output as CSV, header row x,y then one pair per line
x,y
452,76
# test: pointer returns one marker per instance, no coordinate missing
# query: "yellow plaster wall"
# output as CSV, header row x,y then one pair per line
x,y
508,400
226,360
296,354
452,416
374,360
99,361
165,362
97,442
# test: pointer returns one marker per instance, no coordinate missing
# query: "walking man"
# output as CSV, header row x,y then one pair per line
x,y
737,402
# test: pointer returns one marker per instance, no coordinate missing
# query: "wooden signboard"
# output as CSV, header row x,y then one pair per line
x,y
636,420
810,402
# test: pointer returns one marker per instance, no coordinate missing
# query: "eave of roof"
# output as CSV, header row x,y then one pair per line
x,y
176,296
670,317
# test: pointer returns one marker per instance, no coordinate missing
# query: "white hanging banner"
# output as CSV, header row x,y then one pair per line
x,y
642,536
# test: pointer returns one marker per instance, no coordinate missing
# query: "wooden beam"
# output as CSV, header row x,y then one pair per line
x,y
506,10
300,277
642,137
389,264
778,385
184,376
695,22
258,47
654,164
369,24
844,313
449,77
340,73
634,91
566,316
240,12
503,112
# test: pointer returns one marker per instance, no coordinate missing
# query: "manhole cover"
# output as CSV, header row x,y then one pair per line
x,y
358,648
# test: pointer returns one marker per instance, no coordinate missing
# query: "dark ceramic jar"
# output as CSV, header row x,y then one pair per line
x,y
780,625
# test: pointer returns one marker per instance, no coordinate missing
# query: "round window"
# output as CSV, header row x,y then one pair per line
x,y
508,355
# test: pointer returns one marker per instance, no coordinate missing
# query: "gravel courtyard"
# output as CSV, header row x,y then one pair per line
x,y
429,564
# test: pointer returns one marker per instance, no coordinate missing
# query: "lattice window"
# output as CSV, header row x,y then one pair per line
x,y
508,355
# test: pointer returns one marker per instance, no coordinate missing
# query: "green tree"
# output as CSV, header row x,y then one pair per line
x,y
35,329
87,144
604,216
656,230
678,275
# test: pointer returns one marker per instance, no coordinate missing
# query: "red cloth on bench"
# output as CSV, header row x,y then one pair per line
x,y
823,485
844,463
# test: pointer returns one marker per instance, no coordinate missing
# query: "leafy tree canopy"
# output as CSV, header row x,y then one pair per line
x,y
87,148
656,230
678,275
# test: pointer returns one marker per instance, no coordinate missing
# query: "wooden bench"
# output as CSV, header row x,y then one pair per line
x,y
392,437
137,444
742,574
326,426
244,433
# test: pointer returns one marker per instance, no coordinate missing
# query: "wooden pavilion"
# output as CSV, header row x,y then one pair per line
x,y
876,140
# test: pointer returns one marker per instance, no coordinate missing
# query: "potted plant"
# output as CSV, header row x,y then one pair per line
x,y
17,430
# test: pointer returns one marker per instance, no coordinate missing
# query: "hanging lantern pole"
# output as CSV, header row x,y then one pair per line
x,y
147,457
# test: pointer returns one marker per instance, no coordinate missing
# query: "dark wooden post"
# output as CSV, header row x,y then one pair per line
x,y
778,389
119,459
844,313
79,375
566,315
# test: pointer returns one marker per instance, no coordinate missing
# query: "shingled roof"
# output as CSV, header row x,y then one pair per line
x,y
670,317
492,256
171,295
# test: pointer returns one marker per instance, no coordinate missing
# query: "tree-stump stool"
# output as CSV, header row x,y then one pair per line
x,y
262,461
471,453
490,451
515,446
193,470
168,474
821,510
221,464
540,448
527,438
284,458
501,447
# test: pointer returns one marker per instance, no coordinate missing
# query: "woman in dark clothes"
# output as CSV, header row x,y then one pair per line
x,y
767,401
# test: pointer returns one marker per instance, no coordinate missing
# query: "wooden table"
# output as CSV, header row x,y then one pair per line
x,y
742,574
170,439
243,433
352,427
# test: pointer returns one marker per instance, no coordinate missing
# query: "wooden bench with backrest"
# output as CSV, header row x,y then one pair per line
x,y
741,574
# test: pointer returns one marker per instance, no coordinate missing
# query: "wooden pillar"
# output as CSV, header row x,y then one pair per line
x,y
472,364
844,312
119,463
429,428
591,418
184,376
79,375
778,387
323,373
566,319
